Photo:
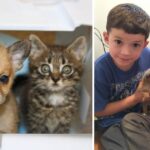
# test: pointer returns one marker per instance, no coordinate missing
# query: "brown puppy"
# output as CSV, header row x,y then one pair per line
x,y
11,60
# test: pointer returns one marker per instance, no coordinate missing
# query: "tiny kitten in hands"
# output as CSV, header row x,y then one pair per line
x,y
51,93
145,88
146,80
11,60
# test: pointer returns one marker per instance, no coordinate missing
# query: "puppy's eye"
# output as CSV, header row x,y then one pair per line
x,y
4,79
67,70
45,68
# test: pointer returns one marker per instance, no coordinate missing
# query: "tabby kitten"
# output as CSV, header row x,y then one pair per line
x,y
52,94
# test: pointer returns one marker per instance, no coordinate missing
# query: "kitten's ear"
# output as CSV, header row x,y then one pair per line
x,y
19,51
78,47
37,46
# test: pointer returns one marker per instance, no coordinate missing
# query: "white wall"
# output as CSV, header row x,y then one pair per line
x,y
46,142
101,10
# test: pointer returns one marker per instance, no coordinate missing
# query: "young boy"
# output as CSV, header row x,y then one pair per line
x,y
117,75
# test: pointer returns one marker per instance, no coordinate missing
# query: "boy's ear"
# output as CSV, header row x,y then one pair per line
x,y
146,43
106,37
37,46
19,51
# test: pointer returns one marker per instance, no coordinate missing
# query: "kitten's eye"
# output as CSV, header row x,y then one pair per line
x,y
4,79
67,69
45,68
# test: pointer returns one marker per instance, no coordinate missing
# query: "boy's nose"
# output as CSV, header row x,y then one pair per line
x,y
125,50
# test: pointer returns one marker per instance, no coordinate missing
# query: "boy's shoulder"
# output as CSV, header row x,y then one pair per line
x,y
145,55
104,65
102,59
146,50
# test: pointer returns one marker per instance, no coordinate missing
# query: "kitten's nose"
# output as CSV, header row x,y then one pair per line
x,y
55,78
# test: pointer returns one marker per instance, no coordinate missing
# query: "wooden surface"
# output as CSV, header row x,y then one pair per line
x,y
97,145
46,37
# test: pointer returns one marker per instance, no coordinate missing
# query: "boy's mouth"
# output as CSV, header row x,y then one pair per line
x,y
125,59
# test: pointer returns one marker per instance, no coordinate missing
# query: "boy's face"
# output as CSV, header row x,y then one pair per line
x,y
124,48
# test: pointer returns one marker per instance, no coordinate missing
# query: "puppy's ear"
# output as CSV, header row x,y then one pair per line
x,y
19,51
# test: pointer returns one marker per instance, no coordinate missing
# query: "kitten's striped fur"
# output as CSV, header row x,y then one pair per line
x,y
52,94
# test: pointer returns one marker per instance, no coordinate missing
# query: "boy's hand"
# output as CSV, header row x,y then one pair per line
x,y
142,93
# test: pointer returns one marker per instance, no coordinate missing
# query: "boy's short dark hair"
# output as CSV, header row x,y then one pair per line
x,y
129,17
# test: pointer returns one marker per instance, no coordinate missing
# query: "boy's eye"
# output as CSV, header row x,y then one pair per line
x,y
118,42
136,45
4,79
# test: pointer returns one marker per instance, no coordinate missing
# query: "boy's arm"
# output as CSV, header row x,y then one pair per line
x,y
120,105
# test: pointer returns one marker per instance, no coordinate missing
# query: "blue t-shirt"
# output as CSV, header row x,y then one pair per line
x,y
112,84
